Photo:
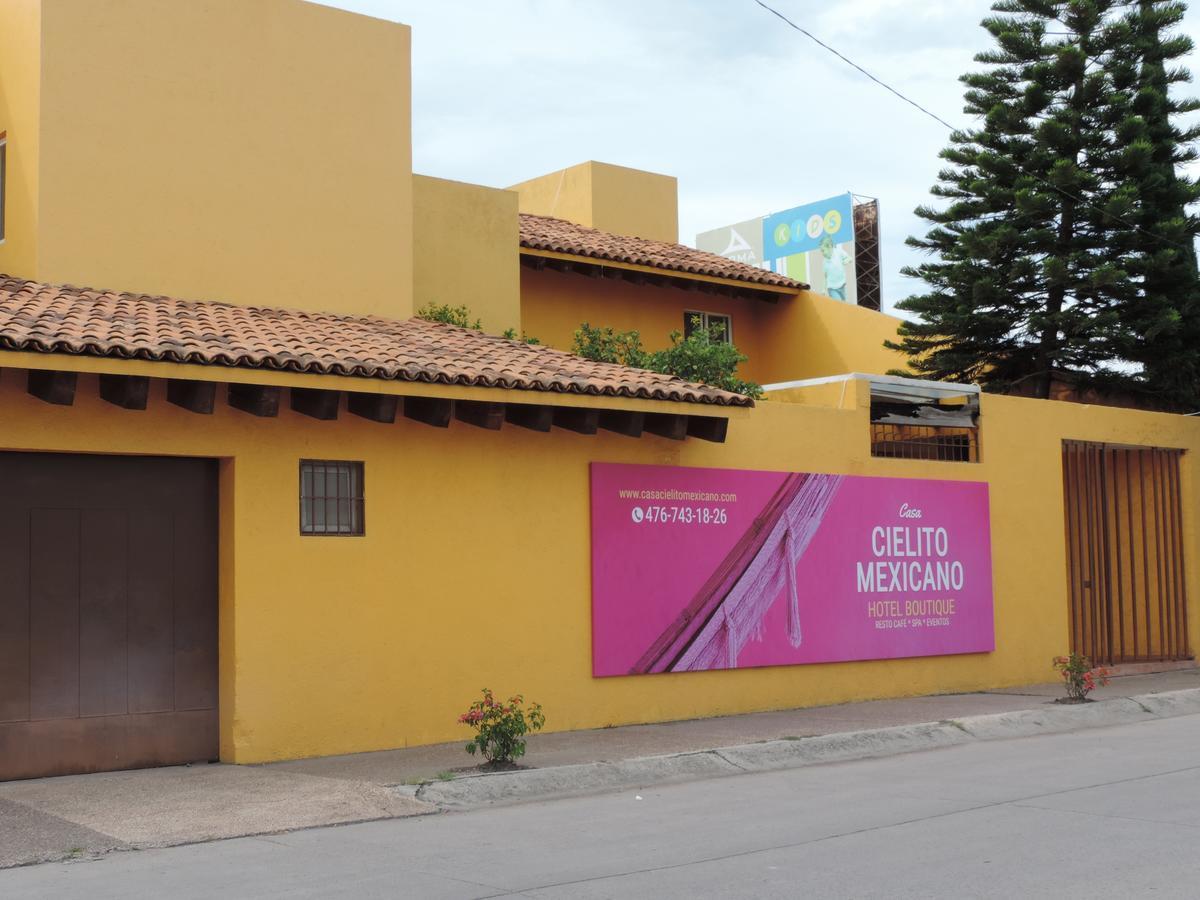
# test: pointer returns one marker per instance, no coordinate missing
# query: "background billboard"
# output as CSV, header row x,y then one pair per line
x,y
804,228
815,243
696,569
742,242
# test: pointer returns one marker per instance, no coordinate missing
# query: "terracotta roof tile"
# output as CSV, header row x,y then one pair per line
x,y
50,319
561,236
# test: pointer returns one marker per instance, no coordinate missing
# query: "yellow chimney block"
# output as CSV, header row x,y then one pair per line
x,y
612,198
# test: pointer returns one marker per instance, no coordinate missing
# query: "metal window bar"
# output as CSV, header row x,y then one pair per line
x,y
331,498
929,442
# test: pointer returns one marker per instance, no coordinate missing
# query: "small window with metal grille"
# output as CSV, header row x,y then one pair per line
x,y
924,442
331,497
929,431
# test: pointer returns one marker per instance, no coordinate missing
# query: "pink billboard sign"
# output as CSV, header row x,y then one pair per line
x,y
697,569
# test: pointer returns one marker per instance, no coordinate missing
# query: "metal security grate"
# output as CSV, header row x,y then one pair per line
x,y
1125,552
924,442
331,497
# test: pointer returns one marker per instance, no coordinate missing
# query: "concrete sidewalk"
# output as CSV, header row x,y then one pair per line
x,y
88,815
631,741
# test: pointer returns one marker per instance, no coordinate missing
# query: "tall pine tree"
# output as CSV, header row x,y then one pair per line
x,y
1161,322
1033,263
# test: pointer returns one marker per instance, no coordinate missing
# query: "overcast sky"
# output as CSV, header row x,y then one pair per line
x,y
749,115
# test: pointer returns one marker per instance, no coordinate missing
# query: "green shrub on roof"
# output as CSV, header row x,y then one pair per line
x,y
449,315
703,357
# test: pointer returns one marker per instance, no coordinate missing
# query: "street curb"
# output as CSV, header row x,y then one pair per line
x,y
493,789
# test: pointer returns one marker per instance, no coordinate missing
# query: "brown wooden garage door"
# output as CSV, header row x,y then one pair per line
x,y
108,613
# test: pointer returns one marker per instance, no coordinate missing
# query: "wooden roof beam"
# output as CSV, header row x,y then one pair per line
x,y
671,427
256,399
535,418
429,410
623,422
194,396
376,407
125,391
579,419
708,428
480,413
53,387
316,403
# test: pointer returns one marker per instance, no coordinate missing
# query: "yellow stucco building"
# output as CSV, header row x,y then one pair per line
x,y
260,512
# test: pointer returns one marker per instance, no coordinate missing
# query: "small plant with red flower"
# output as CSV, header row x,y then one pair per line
x,y
1080,678
500,727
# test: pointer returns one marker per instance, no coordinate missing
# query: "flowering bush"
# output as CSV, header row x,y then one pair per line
x,y
500,728
1079,678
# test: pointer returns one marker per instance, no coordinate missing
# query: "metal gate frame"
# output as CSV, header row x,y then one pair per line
x,y
1123,520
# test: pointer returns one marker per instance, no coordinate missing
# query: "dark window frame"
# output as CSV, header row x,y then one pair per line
x,y
3,181
349,512
706,320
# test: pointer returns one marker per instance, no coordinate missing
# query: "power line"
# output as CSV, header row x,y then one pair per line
x,y
887,87
808,34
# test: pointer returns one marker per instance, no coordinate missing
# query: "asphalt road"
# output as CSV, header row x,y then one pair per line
x,y
1107,812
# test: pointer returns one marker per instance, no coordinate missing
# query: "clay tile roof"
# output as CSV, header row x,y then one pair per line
x,y
561,236
50,319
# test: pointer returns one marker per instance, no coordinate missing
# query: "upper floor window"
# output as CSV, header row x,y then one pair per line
x,y
694,321
331,497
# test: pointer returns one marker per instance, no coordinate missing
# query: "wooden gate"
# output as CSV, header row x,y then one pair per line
x,y
108,613
1124,528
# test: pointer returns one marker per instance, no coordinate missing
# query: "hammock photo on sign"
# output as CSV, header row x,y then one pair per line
x,y
697,569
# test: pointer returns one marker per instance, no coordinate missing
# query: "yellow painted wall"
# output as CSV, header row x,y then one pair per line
x,y
805,335
254,152
815,336
554,304
565,194
465,239
20,92
475,567
840,394
259,152
632,201
611,198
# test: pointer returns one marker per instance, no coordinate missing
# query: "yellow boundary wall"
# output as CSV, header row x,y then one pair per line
x,y
475,569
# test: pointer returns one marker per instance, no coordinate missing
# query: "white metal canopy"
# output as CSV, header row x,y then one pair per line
x,y
890,388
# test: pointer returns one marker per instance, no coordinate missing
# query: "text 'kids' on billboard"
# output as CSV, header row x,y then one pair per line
x,y
813,243
696,569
